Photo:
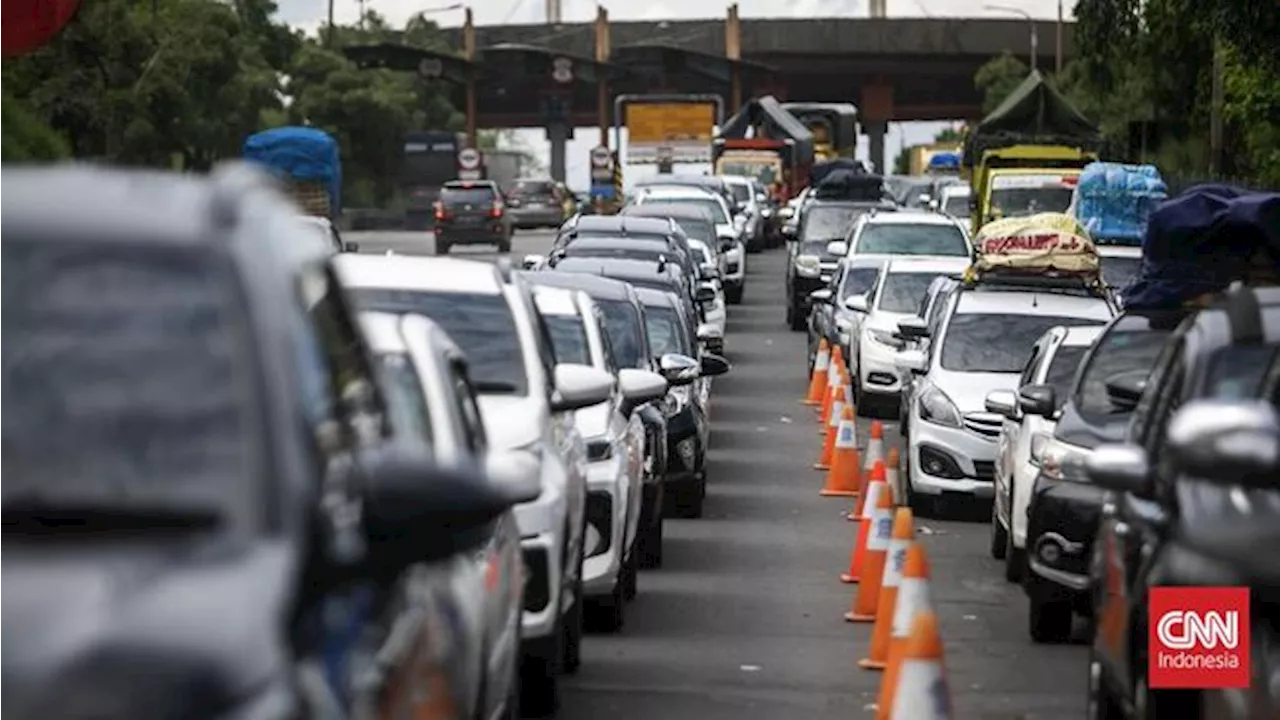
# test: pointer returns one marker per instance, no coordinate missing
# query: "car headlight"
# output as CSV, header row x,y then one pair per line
x,y
1058,460
884,337
937,408
808,265
676,400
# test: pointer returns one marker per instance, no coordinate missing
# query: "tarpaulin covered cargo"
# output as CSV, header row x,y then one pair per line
x,y
1203,240
779,124
1114,202
821,170
1033,114
304,156
1044,244
849,185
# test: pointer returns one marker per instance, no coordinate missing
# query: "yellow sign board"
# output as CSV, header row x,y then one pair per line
x,y
681,130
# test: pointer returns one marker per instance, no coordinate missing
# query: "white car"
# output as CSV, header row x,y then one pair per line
x,y
527,402
953,201
900,289
905,232
1119,264
727,232
1053,364
715,311
615,439
982,345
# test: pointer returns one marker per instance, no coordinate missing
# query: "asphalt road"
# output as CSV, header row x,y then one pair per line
x,y
744,619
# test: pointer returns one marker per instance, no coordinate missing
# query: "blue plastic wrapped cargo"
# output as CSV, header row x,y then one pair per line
x,y
1114,202
303,155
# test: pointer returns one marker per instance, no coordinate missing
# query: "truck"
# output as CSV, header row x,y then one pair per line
x,y
768,143
834,127
503,166
920,157
308,161
429,160
1026,156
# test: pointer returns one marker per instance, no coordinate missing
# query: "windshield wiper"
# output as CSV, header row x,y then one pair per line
x,y
496,386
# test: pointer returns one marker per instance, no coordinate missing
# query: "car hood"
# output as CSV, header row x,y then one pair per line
x,y
969,390
137,629
885,320
511,421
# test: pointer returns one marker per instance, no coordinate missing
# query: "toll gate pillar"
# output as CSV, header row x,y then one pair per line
x,y
876,130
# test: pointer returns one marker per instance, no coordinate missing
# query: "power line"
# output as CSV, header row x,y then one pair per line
x,y
515,6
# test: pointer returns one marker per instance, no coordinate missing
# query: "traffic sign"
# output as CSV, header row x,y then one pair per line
x,y
600,156
469,158
562,70
431,68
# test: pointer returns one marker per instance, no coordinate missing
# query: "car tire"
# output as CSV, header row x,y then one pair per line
x,y
733,294
694,495
512,709
540,676
1015,560
796,319
504,245
999,536
442,247
631,572
609,614
1101,705
651,547
1048,618
572,657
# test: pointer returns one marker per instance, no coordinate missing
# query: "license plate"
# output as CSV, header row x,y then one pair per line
x,y
468,220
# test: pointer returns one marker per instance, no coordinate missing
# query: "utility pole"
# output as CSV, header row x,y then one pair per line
x,y
329,34
733,51
469,52
1215,114
1057,60
602,86
553,12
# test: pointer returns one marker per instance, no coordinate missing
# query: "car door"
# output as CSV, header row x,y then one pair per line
x,y
1010,431
632,432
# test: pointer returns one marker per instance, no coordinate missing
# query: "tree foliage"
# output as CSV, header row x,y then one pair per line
x,y
999,77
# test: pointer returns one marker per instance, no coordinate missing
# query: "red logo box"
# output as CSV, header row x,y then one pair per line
x,y
1198,637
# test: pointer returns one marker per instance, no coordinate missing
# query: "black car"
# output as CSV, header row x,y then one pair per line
x,y
696,221
633,248
190,383
471,213
809,265
624,323
644,273
1169,522
1062,513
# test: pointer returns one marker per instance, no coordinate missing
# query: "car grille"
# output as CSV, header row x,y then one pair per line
x,y
598,450
733,268
984,470
537,580
985,424
599,513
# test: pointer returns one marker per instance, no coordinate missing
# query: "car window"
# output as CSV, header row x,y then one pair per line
x,y
406,401
858,281
1237,372
624,326
541,189
481,325
1029,369
1118,271
740,191
957,205
568,338
904,239
666,332
904,292
606,345
1024,201
712,206
824,223
128,376
479,195
997,342
1062,371
1167,402
1117,353
348,365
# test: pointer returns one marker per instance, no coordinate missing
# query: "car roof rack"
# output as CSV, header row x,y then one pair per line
x,y
1056,283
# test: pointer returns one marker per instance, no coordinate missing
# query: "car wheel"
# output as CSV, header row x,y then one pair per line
x,y
504,245
1048,618
631,572
651,547
999,536
442,247
609,614
733,294
1101,705
693,496
540,676
1015,560
573,627
512,709
796,319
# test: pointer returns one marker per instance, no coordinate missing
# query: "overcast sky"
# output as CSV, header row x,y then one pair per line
x,y
310,14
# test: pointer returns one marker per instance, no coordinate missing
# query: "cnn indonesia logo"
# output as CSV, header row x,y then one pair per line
x,y
1199,637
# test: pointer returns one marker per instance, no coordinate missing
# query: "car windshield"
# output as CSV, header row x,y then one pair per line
x,y
1062,370
532,189
822,224
904,292
481,325
1117,353
698,230
466,196
568,339
623,325
666,335
1023,201
957,206
741,191
712,205
1117,271
858,281
1237,372
406,401
996,342
128,381
908,239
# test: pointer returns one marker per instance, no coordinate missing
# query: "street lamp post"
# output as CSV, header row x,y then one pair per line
x,y
1035,38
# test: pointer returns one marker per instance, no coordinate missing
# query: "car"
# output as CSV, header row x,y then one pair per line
x,y
330,233
711,183
633,248
830,318
790,213
899,293
988,329
615,438
471,212
906,232
223,520
729,235
1190,502
1120,263
688,431
624,324
1030,413
621,227
527,401
427,384
536,202
748,206
645,274
953,201
715,313
930,319
811,264
696,222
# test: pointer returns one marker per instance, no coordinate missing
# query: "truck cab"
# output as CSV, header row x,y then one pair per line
x,y
1024,180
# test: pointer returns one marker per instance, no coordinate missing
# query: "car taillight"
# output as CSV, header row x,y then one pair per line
x,y
496,211
441,214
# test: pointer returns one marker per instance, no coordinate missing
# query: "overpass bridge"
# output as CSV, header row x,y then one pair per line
x,y
562,76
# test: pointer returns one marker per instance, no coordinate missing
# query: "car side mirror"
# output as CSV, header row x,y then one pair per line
x,y
710,270
1037,400
641,386
532,262
1002,402
857,303
678,369
417,511
713,365
579,386
1120,467
1125,390
708,333
913,328
911,361
821,295
1232,443
706,292
348,246
726,244
838,248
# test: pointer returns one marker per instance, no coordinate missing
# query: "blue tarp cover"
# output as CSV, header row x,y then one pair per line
x,y
1114,202
302,153
945,160
1201,241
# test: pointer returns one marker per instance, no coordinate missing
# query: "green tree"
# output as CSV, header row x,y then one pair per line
x,y
948,135
26,137
999,77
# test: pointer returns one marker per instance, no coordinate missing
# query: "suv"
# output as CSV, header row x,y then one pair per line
x,y
811,264
537,202
907,232
471,213
527,401
235,501
746,202
728,234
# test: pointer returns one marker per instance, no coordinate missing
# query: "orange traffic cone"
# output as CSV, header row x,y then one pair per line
x,y
893,476
838,397
922,690
867,598
875,446
861,506
828,452
842,479
818,380
835,375
894,562
859,553
914,598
